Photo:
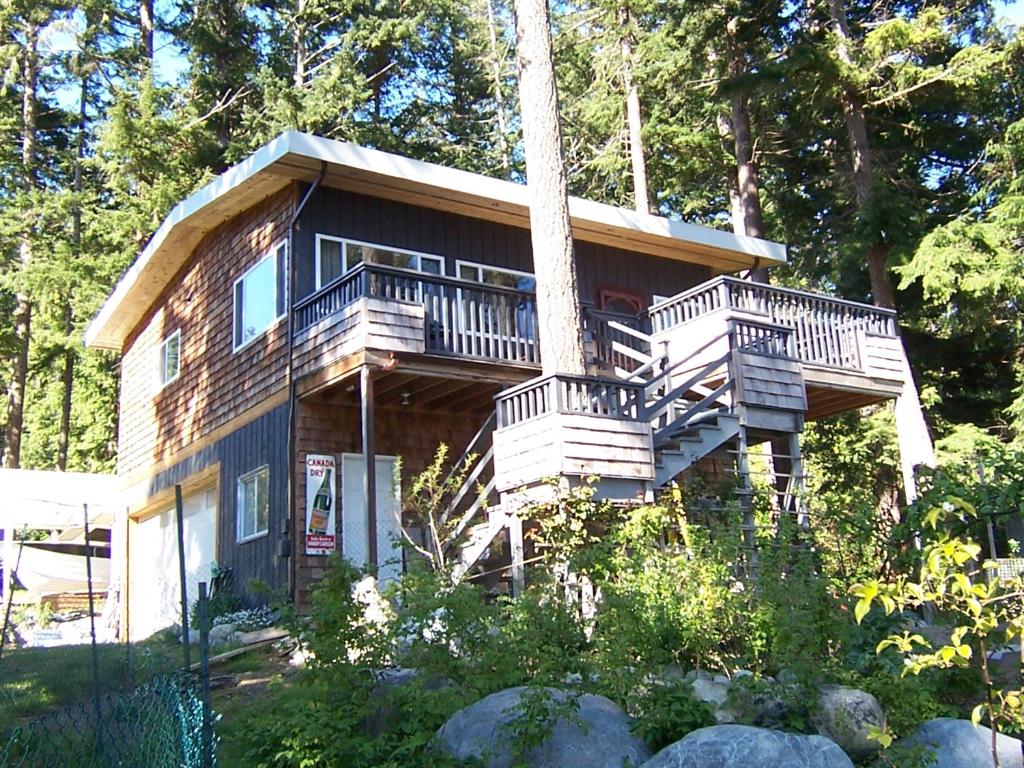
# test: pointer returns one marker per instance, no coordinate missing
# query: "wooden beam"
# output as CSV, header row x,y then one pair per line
x,y
369,461
329,376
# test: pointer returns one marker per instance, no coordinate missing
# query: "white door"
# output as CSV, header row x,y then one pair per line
x,y
154,575
355,522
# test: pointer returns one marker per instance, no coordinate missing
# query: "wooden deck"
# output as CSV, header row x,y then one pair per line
x,y
801,352
848,354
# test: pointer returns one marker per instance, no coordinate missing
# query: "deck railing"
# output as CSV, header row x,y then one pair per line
x,y
563,393
462,318
825,329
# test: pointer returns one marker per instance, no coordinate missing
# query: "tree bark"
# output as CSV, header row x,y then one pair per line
x,y
499,95
634,118
23,304
911,429
558,303
299,45
68,374
747,182
146,27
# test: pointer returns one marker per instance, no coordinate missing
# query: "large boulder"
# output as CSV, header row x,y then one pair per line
x,y
846,715
962,744
596,734
743,746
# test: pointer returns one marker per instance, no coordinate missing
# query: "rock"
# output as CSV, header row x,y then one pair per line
x,y
672,671
710,691
743,746
845,715
721,679
764,704
193,637
698,674
595,735
961,744
222,634
936,634
384,713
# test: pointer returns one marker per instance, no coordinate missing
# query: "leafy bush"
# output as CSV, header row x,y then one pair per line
x,y
666,713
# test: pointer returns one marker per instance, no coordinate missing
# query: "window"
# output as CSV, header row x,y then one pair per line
x,y
504,278
336,257
259,299
254,503
170,358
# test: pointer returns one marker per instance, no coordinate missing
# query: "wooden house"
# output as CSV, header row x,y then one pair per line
x,y
321,309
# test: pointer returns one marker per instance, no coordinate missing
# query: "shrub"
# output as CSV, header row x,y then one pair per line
x,y
666,713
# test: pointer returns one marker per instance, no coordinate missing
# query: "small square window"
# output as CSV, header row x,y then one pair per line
x,y
254,503
170,358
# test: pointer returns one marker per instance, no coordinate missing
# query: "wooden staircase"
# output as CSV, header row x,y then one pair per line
x,y
693,403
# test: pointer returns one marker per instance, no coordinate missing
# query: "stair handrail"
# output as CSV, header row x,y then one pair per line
x,y
485,433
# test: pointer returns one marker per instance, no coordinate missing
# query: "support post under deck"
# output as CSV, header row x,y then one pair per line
x,y
797,480
743,472
369,462
515,541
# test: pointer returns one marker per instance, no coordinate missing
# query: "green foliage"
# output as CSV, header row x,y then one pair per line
x,y
978,609
667,712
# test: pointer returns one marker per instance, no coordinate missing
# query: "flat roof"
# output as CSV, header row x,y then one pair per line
x,y
295,156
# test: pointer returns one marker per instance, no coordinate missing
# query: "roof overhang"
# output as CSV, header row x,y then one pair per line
x,y
296,156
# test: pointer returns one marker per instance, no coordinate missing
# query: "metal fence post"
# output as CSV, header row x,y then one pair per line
x,y
204,674
92,634
179,510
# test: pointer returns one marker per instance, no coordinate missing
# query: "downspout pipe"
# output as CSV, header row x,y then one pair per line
x,y
293,224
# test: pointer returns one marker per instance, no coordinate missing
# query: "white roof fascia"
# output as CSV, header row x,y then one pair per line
x,y
233,177
380,163
386,164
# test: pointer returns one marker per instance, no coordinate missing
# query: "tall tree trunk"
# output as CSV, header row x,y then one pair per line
x,y
68,374
299,44
23,303
499,95
634,118
747,182
911,429
862,161
146,28
558,302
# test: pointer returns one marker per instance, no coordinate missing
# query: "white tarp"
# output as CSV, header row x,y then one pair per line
x,y
53,500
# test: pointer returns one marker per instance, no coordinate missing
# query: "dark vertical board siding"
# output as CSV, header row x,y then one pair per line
x,y
263,441
345,214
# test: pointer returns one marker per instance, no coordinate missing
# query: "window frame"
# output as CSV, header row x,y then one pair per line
x,y
240,505
460,263
162,359
345,241
271,253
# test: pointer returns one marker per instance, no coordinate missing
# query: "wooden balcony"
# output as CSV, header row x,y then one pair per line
x,y
381,309
574,426
849,353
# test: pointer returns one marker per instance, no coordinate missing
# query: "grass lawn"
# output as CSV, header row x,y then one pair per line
x,y
37,680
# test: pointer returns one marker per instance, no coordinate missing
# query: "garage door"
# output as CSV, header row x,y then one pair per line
x,y
154,595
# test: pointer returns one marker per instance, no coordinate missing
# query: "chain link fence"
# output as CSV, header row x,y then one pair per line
x,y
158,725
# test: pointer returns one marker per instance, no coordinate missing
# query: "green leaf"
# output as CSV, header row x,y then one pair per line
x,y
861,609
977,713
